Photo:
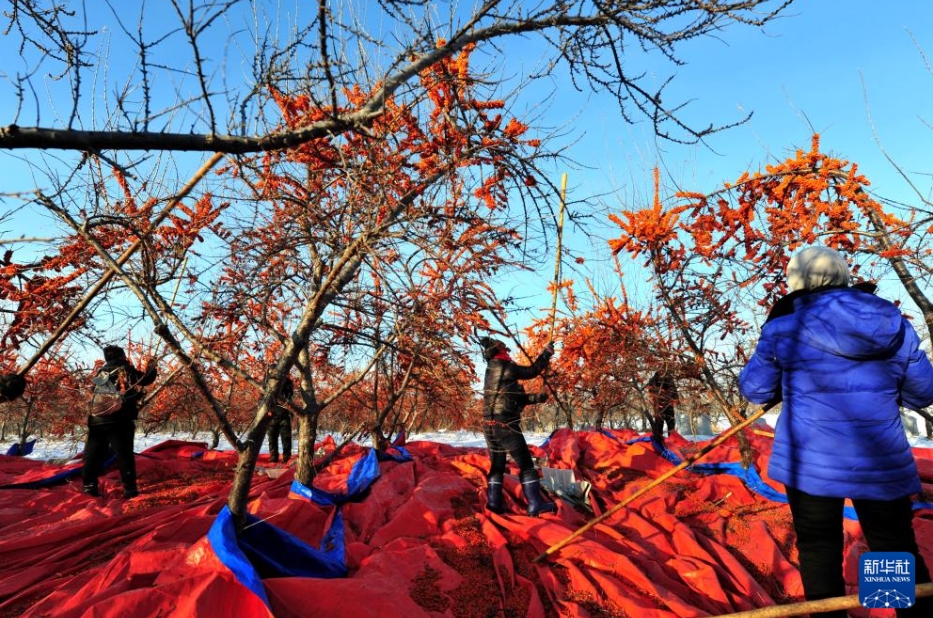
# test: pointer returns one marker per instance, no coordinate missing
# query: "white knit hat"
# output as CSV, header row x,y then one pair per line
x,y
815,267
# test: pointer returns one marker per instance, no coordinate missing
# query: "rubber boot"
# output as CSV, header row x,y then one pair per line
x,y
494,501
531,486
130,491
91,490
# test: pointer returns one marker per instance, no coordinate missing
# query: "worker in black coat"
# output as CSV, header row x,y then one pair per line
x,y
116,432
662,390
504,398
281,424
12,386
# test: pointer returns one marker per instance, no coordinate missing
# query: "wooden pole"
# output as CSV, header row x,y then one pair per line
x,y
815,607
518,344
109,273
560,240
706,449
181,274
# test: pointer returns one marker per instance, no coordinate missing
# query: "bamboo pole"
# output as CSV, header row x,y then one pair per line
x,y
706,449
557,260
815,607
124,257
181,274
518,344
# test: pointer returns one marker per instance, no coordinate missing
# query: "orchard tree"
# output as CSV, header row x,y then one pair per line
x,y
694,296
53,405
604,350
375,234
718,259
368,237
424,380
762,217
610,349
331,99
167,90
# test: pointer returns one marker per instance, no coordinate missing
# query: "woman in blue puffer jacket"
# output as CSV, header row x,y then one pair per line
x,y
844,362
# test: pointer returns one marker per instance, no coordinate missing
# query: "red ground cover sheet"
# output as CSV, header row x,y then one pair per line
x,y
417,542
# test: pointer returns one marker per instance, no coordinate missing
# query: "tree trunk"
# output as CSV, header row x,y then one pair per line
x,y
904,274
307,436
247,455
242,480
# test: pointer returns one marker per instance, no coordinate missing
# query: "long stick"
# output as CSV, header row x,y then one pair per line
x,y
508,332
706,449
812,607
557,261
124,257
181,273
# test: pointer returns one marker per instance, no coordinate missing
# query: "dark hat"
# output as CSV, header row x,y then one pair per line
x,y
114,354
491,346
12,386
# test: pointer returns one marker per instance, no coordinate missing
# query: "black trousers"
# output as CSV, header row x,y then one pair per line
x,y
818,522
667,416
117,437
505,438
280,427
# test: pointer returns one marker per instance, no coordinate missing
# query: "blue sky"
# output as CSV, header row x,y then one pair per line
x,y
815,65
822,67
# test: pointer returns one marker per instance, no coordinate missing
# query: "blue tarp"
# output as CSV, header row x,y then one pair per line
x,y
750,477
16,451
362,475
264,551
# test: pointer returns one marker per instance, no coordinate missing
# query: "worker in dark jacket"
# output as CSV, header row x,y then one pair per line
x,y
843,361
662,391
281,423
12,386
116,432
504,398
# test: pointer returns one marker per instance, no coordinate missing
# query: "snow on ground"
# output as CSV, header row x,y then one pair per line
x,y
67,448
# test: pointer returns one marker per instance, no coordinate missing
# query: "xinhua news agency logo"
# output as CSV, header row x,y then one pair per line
x,y
886,579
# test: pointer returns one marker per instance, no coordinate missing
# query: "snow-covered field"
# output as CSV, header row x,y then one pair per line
x,y
67,448
46,449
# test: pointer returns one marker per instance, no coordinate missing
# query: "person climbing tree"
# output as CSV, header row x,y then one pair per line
x,y
504,398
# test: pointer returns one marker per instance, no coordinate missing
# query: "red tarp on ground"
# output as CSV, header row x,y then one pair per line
x,y
417,542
